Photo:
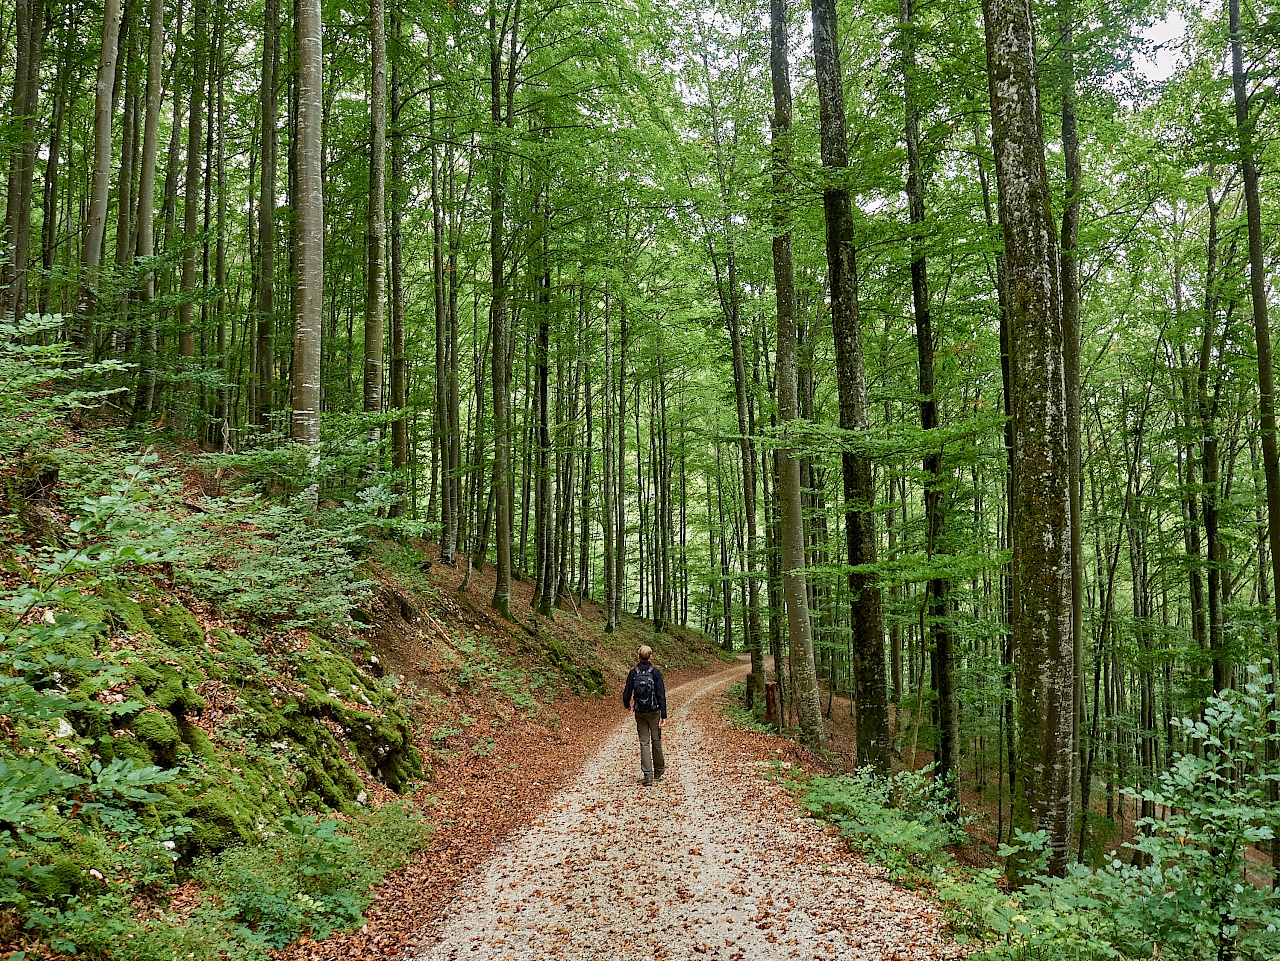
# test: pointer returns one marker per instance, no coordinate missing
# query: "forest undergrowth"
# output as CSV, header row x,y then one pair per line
x,y
1181,887
223,702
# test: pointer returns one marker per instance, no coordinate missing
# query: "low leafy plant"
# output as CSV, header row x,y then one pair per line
x,y
1182,892
311,875
748,718
902,822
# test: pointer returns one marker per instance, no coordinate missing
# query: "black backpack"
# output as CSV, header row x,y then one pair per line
x,y
645,690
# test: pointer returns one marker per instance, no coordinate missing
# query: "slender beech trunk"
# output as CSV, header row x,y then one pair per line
x,y
448,514
191,208
399,392
1261,321
747,452
50,187
100,178
308,204
376,234
30,32
786,461
1069,267
146,243
610,585
543,589
870,684
264,348
498,321
620,471
1042,630
935,481
588,450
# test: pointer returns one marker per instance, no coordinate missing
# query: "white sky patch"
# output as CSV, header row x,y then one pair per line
x,y
1166,38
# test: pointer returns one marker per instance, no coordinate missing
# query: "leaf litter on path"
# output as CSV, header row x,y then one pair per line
x,y
714,862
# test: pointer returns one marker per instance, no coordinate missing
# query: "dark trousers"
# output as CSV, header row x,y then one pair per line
x,y
648,727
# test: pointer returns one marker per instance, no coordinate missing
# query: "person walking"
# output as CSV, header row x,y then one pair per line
x,y
645,687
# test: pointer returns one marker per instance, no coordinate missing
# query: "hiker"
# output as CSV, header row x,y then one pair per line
x,y
644,683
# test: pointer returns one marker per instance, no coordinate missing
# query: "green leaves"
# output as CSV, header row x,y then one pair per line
x,y
902,822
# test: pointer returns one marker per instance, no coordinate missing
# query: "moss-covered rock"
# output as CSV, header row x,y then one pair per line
x,y
218,818
61,878
158,731
175,695
173,624
582,678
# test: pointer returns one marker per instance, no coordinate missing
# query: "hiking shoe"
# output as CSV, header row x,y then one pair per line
x,y
646,783
657,777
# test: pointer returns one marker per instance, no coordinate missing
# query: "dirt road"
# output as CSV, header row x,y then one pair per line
x,y
713,862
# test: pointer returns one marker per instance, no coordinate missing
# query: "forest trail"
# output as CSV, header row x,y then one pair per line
x,y
713,862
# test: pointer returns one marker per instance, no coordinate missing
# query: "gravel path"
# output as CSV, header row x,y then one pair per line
x,y
713,862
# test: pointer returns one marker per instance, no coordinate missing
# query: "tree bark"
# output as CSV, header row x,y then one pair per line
x,y
100,178
1042,630
501,121
1069,266
786,460
399,391
1261,322
308,203
870,684
934,479
146,244
191,210
376,239
30,31
265,308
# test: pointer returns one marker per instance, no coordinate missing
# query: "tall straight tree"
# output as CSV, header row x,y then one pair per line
x,y
399,393
1043,647
1070,280
375,240
502,83
191,228
939,586
1261,321
308,202
146,243
871,691
100,177
29,28
264,348
787,462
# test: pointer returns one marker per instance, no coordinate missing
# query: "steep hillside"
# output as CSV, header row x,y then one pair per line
x,y
225,713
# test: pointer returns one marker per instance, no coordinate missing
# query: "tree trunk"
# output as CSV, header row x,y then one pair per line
x,y
264,346
870,685
191,210
1042,630
308,203
100,178
146,243
934,479
498,304
620,462
399,392
610,585
1261,321
376,239
786,461
30,31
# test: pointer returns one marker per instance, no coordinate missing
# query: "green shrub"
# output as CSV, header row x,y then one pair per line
x,y
902,822
310,876
1186,895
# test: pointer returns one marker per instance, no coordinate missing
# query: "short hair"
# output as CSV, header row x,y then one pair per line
x,y
645,652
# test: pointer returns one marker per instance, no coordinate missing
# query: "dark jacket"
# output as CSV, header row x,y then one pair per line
x,y
659,687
